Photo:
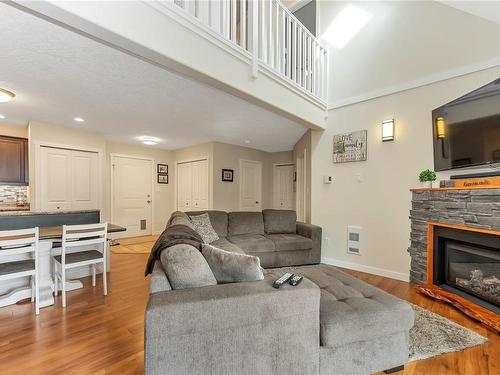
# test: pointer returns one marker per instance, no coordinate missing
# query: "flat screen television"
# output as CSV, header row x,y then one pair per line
x,y
466,131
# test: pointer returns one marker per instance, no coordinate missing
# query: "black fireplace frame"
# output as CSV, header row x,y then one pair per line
x,y
467,238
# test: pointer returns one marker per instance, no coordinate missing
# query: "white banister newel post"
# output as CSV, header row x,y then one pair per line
x,y
254,36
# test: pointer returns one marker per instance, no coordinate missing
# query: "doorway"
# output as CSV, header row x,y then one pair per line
x,y
250,185
132,194
283,191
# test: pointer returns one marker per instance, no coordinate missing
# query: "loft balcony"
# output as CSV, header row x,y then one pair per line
x,y
257,50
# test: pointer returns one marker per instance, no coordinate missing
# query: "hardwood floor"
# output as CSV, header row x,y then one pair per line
x,y
104,335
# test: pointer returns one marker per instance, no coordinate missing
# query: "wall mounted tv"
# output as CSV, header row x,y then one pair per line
x,y
467,130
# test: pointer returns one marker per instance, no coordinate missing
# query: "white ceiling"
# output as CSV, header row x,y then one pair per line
x,y
489,10
58,75
406,42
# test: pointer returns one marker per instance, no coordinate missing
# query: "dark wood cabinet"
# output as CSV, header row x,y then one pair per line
x,y
13,161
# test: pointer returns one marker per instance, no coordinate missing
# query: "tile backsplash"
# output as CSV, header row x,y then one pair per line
x,y
8,194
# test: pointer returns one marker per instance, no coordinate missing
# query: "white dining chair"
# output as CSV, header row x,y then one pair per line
x,y
74,237
14,243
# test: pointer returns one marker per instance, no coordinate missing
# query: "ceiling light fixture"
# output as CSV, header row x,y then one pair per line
x,y
247,141
79,119
346,25
6,96
150,141
2,116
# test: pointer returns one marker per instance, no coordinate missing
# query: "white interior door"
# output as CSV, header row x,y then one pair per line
x,y
84,180
284,197
132,194
300,197
199,176
55,179
250,185
184,186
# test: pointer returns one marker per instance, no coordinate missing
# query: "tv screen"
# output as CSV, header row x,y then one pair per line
x,y
466,131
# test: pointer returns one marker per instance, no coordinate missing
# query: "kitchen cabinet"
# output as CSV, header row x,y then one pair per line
x,y
13,161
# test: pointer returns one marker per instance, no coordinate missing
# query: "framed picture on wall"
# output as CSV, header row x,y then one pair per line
x,y
227,175
162,168
163,178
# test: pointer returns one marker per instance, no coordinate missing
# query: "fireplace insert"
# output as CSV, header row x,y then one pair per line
x,y
468,264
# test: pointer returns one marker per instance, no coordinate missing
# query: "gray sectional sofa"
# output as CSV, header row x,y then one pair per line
x,y
274,236
331,323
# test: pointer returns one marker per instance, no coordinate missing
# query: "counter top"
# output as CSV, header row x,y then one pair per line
x,y
13,208
26,212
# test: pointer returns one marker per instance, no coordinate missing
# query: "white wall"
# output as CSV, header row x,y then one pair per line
x,y
375,194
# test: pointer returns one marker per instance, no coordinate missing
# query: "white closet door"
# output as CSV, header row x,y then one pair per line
x,y
55,179
184,186
284,197
250,185
199,185
84,180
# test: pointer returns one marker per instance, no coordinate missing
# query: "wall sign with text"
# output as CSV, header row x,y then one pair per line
x,y
349,147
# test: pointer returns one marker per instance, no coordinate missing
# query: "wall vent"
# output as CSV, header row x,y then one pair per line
x,y
354,239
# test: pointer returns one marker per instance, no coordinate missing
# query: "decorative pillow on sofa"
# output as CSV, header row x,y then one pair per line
x,y
229,267
280,221
186,267
202,224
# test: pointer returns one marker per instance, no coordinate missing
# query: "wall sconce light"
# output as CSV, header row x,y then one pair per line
x,y
440,128
388,130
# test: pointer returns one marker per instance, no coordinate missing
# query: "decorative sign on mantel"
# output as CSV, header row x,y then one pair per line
x,y
349,147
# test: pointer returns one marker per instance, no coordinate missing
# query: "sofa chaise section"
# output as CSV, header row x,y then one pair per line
x,y
362,328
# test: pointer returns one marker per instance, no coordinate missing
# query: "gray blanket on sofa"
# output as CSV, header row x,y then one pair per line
x,y
172,235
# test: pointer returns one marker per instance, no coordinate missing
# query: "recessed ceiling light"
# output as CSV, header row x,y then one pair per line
x,y
247,141
346,25
79,119
2,116
150,141
6,96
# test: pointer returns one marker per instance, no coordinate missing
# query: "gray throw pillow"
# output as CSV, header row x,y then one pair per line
x,y
229,267
185,267
202,224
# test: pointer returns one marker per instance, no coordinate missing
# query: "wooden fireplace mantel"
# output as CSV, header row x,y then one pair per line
x,y
485,316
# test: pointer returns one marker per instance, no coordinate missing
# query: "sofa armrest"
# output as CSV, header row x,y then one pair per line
x,y
240,328
314,233
159,281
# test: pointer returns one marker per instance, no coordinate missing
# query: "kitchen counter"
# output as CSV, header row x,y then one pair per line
x,y
13,208
21,211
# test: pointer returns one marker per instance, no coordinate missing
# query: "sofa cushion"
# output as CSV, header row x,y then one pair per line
x,y
279,221
229,267
245,223
288,242
203,226
224,244
217,218
352,310
186,267
253,243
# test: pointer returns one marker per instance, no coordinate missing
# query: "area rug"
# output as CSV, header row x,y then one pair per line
x,y
433,335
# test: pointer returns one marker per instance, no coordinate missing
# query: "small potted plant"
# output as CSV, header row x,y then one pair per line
x,y
427,177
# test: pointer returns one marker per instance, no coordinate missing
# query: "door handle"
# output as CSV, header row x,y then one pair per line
x,y
256,202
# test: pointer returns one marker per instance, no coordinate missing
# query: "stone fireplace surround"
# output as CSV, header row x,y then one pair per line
x,y
474,208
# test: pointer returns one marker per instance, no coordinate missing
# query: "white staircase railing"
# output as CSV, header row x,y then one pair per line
x,y
274,38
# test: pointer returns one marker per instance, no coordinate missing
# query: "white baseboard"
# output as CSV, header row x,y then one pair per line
x,y
367,269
